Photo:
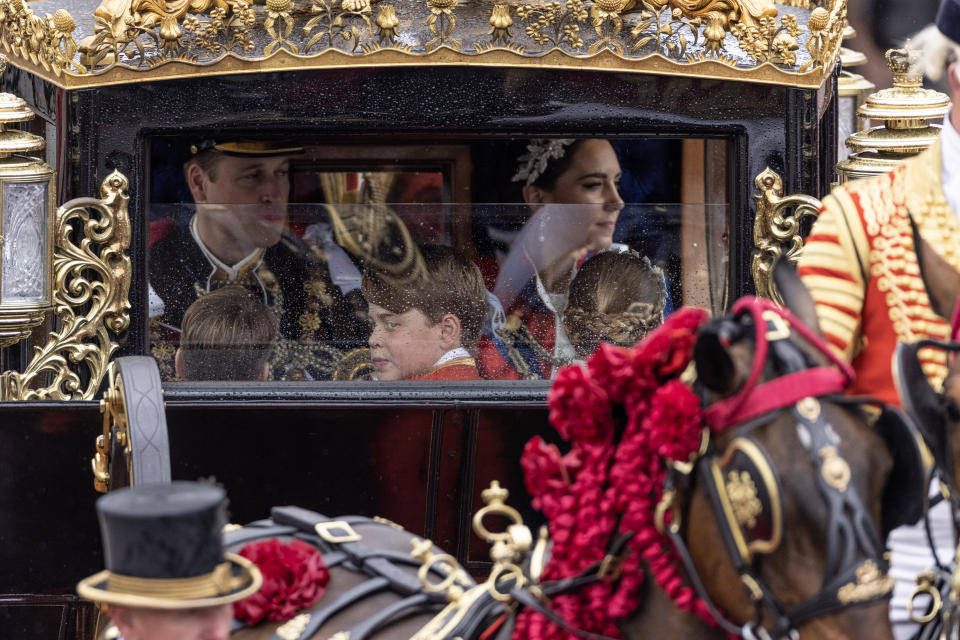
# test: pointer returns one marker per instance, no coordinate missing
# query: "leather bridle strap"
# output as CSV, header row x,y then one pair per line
x,y
776,394
755,399
849,529
680,546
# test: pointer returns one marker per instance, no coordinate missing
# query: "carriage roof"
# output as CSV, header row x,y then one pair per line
x,y
83,43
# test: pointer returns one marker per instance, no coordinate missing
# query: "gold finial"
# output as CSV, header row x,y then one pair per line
x,y
495,494
906,110
422,549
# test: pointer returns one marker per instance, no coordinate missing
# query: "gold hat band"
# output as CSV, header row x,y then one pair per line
x,y
219,581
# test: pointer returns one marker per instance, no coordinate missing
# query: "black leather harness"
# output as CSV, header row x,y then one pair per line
x,y
745,496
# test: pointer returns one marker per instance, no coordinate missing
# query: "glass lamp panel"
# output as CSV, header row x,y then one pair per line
x,y
25,248
846,124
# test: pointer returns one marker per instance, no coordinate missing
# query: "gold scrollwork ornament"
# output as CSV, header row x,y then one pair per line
x,y
870,584
742,492
663,28
278,14
115,439
442,21
554,23
91,299
602,12
776,227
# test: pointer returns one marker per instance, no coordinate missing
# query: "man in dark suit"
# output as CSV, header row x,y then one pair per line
x,y
238,236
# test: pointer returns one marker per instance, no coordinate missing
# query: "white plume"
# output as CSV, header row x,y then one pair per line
x,y
935,49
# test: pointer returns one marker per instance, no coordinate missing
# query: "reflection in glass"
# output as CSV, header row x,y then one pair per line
x,y
335,216
324,329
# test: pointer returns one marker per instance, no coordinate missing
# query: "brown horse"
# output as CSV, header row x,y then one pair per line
x,y
796,570
800,553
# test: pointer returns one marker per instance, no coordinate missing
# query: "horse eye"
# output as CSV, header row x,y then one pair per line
x,y
952,410
729,333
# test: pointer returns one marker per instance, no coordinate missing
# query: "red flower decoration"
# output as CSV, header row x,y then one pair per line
x,y
294,577
600,482
579,408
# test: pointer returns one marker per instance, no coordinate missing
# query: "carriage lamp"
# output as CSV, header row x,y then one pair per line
x,y
852,91
906,110
27,194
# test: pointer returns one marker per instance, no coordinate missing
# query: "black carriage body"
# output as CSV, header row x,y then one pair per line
x,y
309,443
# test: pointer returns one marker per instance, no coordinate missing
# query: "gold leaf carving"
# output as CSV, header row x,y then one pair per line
x,y
665,30
776,227
666,35
554,24
91,297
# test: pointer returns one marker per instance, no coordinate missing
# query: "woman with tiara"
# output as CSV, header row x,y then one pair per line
x,y
571,187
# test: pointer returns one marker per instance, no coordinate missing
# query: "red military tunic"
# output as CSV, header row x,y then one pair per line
x,y
456,369
861,267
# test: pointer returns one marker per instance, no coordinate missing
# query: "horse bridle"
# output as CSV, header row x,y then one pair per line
x,y
929,412
745,495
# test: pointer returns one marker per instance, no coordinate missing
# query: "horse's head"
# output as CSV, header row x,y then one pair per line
x,y
799,483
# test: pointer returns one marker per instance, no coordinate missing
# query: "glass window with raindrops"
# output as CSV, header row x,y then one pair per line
x,y
467,259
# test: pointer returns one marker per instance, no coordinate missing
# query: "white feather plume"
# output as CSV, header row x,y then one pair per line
x,y
935,50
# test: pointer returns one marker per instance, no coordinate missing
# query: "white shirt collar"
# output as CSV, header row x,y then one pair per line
x,y
232,272
459,352
950,164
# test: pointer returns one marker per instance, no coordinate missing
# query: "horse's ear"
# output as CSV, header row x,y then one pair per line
x,y
796,296
715,367
940,279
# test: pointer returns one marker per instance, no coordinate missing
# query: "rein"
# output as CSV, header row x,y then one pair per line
x,y
942,616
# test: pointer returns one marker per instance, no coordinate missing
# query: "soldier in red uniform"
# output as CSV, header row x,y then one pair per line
x,y
860,262
861,267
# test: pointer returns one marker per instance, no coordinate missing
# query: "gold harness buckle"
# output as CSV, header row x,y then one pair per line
x,y
611,568
780,330
336,532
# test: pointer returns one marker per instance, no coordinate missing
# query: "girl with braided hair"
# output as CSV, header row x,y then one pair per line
x,y
616,297
571,189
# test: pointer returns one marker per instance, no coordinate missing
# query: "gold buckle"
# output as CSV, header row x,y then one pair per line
x,y
925,585
780,330
326,531
611,568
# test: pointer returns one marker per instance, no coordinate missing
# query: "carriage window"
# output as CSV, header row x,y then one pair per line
x,y
469,261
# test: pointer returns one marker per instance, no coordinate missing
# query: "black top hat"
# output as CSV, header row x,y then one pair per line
x,y
163,549
246,148
948,19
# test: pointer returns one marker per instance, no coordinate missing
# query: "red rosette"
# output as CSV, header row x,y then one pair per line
x,y
612,368
667,350
547,472
579,409
674,421
294,577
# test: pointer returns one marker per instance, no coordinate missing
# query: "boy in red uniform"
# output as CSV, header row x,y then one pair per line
x,y
427,328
